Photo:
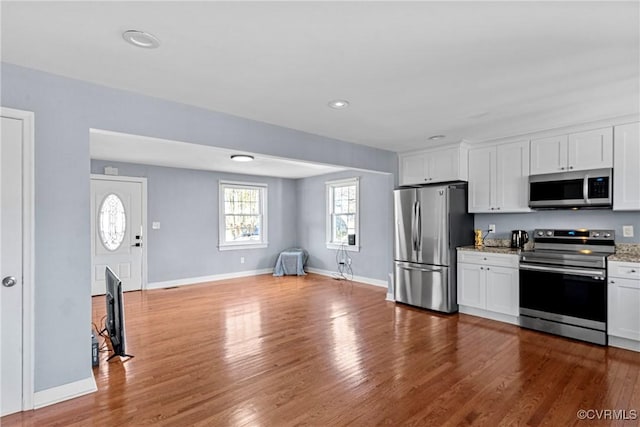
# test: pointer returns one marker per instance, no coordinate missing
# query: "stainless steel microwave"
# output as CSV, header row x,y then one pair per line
x,y
581,189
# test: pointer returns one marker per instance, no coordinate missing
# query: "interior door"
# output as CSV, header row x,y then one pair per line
x,y
11,266
116,232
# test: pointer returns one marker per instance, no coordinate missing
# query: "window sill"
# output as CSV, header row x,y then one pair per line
x,y
228,247
348,248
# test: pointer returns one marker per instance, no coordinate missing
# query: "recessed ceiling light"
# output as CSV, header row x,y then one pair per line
x,y
141,39
241,158
437,137
338,104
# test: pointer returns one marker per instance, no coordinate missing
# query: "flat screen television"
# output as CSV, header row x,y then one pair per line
x,y
114,326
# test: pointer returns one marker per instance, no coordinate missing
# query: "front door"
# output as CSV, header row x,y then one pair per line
x,y
116,231
11,265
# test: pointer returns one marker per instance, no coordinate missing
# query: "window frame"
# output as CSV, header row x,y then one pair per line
x,y
223,245
329,187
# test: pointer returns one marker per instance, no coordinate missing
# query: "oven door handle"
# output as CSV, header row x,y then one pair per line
x,y
564,270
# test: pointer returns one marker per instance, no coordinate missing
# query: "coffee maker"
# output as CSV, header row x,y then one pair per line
x,y
519,238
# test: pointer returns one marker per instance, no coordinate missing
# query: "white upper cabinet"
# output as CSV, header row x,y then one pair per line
x,y
431,166
548,155
499,178
577,151
626,167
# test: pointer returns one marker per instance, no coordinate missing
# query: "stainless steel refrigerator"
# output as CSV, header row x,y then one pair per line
x,y
430,223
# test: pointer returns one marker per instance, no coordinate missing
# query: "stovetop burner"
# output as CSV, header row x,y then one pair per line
x,y
579,248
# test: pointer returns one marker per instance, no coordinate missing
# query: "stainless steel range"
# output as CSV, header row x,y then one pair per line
x,y
563,287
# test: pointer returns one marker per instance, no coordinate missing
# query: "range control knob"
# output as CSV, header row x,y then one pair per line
x,y
540,233
607,235
596,234
549,233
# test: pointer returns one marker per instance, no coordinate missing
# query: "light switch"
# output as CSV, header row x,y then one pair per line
x,y
155,225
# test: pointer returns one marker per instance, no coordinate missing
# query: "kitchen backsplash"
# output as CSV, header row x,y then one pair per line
x,y
561,219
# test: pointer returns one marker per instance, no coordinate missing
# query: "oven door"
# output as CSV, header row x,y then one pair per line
x,y
568,295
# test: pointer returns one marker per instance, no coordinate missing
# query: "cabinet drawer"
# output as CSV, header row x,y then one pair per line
x,y
499,260
624,270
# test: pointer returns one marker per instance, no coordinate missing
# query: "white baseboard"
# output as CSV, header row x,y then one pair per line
x,y
64,392
625,343
360,279
390,297
203,279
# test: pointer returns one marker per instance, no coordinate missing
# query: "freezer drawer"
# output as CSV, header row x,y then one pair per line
x,y
427,286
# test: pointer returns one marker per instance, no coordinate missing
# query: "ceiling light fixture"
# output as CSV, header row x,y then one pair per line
x,y
141,39
338,104
242,158
437,137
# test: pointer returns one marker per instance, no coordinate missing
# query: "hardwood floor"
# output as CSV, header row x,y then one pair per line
x,y
265,351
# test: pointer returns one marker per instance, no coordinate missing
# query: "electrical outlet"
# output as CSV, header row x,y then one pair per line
x,y
155,225
241,260
627,230
492,228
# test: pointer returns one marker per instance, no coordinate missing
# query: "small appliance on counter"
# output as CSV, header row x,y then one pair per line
x,y
519,238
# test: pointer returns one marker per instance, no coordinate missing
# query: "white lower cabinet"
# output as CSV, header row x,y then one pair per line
x,y
623,305
488,285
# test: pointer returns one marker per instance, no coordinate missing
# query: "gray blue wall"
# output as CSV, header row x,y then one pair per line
x,y
65,110
376,223
596,218
185,202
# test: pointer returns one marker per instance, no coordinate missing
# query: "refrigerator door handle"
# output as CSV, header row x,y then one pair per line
x,y
414,227
419,227
423,269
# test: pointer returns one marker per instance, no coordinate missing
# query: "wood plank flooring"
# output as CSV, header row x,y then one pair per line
x,y
265,351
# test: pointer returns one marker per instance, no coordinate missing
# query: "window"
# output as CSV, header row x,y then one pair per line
x,y
112,222
343,199
243,215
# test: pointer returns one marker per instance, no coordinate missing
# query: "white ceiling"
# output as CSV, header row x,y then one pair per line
x,y
469,70
120,147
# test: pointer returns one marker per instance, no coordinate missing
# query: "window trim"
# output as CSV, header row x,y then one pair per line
x,y
264,242
329,185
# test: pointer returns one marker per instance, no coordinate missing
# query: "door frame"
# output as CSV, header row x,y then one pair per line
x,y
28,254
139,180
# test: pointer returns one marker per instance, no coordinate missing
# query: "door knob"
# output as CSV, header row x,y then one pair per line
x,y
9,281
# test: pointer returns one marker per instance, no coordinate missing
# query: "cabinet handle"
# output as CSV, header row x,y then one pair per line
x,y
562,168
481,268
498,208
612,282
570,167
632,271
488,268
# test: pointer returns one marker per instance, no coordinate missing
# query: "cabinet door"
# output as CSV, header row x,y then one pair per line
x,y
512,177
548,155
591,150
623,297
443,165
502,290
626,173
413,169
482,179
471,285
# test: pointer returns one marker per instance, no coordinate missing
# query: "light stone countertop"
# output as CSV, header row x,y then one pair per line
x,y
626,252
491,249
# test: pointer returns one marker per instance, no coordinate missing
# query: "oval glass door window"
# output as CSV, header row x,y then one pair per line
x,y
112,222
